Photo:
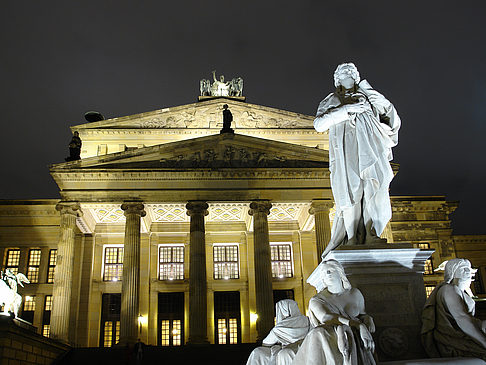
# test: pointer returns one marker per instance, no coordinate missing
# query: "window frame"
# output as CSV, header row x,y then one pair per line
x,y
51,268
290,261
7,256
232,264
118,265
33,267
179,265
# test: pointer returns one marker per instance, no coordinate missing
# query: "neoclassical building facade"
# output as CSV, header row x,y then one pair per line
x,y
172,233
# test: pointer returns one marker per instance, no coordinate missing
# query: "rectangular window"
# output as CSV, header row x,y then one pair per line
x,y
226,262
171,262
429,289
113,264
227,317
110,320
46,318
33,265
28,308
429,267
51,266
13,259
281,256
171,319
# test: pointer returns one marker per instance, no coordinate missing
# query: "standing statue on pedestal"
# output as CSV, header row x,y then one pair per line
x,y
341,332
282,343
449,328
227,119
74,148
9,298
363,127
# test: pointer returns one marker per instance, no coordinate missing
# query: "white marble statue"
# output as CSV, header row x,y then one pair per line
x,y
281,344
221,87
9,297
449,328
363,127
342,330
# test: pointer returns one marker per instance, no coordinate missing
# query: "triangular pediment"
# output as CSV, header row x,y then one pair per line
x,y
213,152
207,114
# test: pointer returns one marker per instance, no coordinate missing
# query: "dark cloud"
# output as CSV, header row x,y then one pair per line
x,y
60,59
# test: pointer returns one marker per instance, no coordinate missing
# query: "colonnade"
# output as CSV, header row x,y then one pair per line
x,y
197,210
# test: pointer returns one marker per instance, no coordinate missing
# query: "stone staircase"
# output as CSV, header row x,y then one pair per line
x,y
201,354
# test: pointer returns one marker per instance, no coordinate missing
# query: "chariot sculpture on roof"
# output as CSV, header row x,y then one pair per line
x,y
220,87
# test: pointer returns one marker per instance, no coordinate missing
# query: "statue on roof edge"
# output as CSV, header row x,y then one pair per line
x,y
221,87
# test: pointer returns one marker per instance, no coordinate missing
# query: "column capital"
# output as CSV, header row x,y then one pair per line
x,y
197,207
320,205
133,208
72,208
260,206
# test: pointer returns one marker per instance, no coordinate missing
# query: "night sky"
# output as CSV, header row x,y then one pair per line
x,y
61,59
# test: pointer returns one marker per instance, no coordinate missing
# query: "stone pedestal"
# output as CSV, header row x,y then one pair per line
x,y
320,209
263,268
198,316
63,274
129,331
390,276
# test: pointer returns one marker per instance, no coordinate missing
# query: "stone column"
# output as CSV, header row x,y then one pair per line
x,y
320,209
131,273
63,274
263,268
198,317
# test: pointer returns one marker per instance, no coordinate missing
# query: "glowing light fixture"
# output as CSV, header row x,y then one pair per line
x,y
253,317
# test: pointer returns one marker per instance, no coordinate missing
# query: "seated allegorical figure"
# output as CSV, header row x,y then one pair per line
x,y
342,330
449,328
281,344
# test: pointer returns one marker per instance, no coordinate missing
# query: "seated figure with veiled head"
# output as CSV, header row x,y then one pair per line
x,y
449,328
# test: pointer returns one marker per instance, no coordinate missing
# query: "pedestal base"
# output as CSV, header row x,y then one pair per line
x,y
390,276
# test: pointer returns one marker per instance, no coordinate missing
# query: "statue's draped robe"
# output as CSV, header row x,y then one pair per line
x,y
320,346
442,319
359,154
282,342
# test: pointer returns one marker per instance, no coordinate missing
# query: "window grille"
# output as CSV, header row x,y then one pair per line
x,y
171,262
113,264
281,256
110,320
429,267
429,289
171,319
227,317
226,262
33,265
51,266
29,308
46,318
13,259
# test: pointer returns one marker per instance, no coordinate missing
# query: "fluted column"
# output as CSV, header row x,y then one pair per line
x,y
131,273
63,274
263,268
320,210
197,273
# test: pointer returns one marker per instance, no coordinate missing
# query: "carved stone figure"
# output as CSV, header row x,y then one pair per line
x,y
9,297
220,87
341,332
227,119
363,127
282,343
74,148
449,328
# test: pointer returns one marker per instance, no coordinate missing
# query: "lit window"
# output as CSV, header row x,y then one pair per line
x,y
171,330
29,303
171,262
13,259
46,330
108,333
51,266
429,267
227,331
33,266
429,289
281,256
226,262
222,331
113,268
46,318
117,332
233,331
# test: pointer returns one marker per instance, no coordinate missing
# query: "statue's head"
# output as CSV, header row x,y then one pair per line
x,y
221,78
346,75
225,106
286,308
332,272
76,134
459,272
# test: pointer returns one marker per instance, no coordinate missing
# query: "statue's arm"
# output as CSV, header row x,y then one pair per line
x,y
271,339
468,324
322,314
214,76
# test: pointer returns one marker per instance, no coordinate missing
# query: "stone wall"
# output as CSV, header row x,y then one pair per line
x,y
20,344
